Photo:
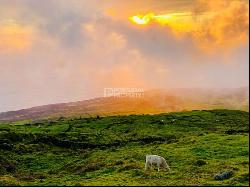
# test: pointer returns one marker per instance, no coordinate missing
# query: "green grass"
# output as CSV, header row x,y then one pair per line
x,y
111,150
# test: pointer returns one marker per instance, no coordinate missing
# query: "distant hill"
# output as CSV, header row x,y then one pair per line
x,y
153,102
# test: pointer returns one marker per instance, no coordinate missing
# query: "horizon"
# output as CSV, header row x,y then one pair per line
x,y
59,51
145,91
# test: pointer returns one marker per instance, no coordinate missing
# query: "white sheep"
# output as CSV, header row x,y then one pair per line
x,y
155,159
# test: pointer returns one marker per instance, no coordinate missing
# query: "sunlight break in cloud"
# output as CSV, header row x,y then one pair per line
x,y
223,25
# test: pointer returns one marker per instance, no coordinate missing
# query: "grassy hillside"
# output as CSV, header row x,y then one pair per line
x,y
153,102
111,150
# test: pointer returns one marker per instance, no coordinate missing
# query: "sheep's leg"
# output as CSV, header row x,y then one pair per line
x,y
166,166
169,168
146,166
158,165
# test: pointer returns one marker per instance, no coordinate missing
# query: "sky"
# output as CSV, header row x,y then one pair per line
x,y
55,51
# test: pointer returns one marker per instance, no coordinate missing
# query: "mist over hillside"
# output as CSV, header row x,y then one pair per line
x,y
153,102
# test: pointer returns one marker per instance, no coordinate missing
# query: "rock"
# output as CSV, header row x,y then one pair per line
x,y
223,175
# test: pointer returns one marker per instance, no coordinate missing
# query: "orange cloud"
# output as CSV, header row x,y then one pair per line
x,y
212,25
228,28
15,37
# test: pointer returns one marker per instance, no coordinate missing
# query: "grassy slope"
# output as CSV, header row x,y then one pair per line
x,y
111,150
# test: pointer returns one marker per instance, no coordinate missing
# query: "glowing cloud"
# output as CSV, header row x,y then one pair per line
x,y
227,29
142,20
181,21
14,37
216,27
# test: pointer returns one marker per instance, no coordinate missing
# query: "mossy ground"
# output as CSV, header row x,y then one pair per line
x,y
111,150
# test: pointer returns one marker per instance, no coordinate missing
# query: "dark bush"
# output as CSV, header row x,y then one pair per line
x,y
151,139
51,140
119,162
7,166
6,146
88,167
244,177
69,128
129,167
14,137
233,131
230,131
200,163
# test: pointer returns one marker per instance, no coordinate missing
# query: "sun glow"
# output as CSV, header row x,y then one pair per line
x,y
163,19
179,22
182,21
142,20
14,37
